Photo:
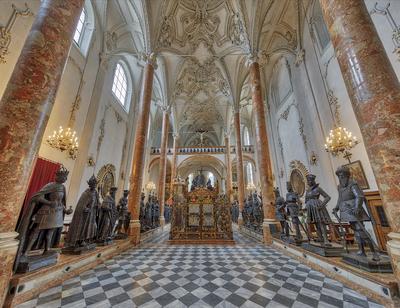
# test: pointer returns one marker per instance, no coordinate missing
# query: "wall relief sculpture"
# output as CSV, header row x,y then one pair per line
x,y
298,173
106,179
5,31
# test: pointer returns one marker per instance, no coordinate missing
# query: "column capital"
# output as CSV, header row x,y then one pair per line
x,y
149,58
260,57
175,135
300,56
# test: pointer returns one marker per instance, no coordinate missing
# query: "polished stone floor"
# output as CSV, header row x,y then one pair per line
x,y
160,275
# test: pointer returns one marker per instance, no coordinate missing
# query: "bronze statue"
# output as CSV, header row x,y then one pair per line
x,y
43,218
124,216
83,228
350,205
317,213
280,214
293,207
107,218
142,213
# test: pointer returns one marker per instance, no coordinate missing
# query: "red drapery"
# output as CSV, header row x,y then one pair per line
x,y
43,173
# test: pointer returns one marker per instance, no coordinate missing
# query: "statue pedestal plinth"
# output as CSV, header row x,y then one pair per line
x,y
34,262
79,250
106,242
367,264
335,250
121,236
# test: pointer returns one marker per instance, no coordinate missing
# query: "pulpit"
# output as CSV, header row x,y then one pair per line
x,y
201,216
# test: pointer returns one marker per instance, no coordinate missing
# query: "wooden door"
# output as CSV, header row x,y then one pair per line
x,y
379,219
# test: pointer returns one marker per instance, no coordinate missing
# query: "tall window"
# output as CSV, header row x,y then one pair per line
x,y
120,84
250,175
246,136
80,28
320,27
212,178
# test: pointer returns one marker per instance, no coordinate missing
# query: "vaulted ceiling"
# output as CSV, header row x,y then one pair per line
x,y
202,47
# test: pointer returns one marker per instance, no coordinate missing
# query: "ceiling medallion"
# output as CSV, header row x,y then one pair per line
x,y
197,77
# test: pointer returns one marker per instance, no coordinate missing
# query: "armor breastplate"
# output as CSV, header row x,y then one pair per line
x,y
346,193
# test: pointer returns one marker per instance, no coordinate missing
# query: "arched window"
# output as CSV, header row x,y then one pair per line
x,y
250,173
120,84
320,28
246,136
212,178
80,28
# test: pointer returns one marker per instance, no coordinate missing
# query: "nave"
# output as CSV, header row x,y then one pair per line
x,y
156,274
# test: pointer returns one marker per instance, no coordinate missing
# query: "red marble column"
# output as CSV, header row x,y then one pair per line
x,y
173,167
229,169
138,159
163,165
374,91
239,166
263,156
24,111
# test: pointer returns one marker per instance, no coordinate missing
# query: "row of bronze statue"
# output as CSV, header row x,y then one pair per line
x,y
349,210
149,214
93,222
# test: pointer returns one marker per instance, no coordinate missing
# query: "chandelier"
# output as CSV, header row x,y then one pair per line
x,y
64,140
150,186
340,141
250,187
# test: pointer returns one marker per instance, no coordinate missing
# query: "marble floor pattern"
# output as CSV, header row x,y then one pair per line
x,y
160,275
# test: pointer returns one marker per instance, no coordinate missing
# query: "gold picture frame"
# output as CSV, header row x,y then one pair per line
x,y
357,174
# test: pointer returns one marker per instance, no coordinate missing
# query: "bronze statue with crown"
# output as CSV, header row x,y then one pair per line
x,y
40,225
83,227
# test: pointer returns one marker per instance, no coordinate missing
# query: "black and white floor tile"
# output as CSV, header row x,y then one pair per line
x,y
160,275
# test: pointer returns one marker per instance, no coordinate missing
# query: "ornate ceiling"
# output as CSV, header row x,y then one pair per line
x,y
202,47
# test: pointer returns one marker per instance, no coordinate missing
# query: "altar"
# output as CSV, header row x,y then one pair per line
x,y
201,216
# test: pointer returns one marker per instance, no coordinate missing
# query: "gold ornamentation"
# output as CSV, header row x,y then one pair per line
x,y
340,141
64,140
5,31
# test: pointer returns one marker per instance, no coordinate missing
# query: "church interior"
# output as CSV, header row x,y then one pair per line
x,y
200,153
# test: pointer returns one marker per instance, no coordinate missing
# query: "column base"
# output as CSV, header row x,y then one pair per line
x,y
270,227
8,250
162,222
240,219
134,232
393,248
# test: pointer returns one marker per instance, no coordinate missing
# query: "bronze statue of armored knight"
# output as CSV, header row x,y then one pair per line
x,y
124,217
317,213
280,213
350,206
107,218
40,224
293,207
82,232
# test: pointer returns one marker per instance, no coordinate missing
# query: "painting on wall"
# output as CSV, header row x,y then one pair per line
x,y
358,175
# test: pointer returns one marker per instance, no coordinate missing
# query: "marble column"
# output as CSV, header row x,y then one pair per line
x,y
24,112
138,159
173,167
239,166
374,91
228,168
163,165
263,154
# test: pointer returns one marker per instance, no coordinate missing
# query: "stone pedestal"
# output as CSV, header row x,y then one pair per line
x,y
35,262
79,250
374,91
25,109
393,248
367,264
335,250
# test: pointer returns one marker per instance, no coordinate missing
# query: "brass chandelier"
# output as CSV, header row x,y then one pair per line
x,y
340,141
65,141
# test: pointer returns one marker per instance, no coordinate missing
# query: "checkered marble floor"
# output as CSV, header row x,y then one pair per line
x,y
160,275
